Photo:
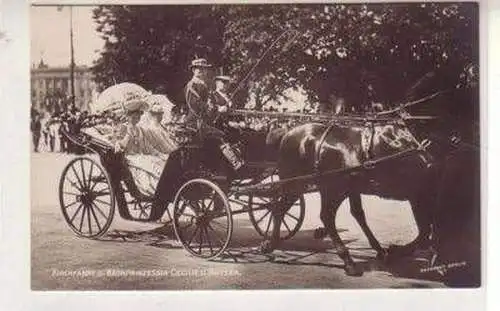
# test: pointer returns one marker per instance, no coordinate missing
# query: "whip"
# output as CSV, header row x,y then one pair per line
x,y
264,55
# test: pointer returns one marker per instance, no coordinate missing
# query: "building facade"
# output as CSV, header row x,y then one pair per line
x,y
51,87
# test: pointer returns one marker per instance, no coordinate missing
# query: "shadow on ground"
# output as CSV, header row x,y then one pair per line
x,y
300,250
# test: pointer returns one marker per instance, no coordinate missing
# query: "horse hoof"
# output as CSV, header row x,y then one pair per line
x,y
319,233
266,247
353,270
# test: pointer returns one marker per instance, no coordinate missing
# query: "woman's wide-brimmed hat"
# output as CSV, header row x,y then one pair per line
x,y
135,102
200,63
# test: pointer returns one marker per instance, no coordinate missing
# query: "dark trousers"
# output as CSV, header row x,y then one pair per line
x,y
36,140
52,142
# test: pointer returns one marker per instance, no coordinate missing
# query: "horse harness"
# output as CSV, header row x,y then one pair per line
x,y
367,142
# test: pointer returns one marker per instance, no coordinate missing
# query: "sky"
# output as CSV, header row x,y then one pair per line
x,y
50,35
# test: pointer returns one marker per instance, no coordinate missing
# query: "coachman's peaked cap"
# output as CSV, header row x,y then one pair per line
x,y
200,62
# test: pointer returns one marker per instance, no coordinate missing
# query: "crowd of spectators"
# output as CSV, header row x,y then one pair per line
x,y
47,126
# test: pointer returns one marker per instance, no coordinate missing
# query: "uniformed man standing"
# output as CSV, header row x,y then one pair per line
x,y
197,93
203,112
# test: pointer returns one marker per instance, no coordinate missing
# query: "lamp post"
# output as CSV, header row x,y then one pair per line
x,y
72,54
72,61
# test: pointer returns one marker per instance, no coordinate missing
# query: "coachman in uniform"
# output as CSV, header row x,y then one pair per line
x,y
203,111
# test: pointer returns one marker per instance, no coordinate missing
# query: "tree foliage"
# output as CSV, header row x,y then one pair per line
x,y
359,52
153,45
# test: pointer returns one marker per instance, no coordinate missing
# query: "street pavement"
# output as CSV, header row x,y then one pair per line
x,y
144,256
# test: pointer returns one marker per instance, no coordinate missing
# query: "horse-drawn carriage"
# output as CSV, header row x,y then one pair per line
x,y
204,204
92,187
385,154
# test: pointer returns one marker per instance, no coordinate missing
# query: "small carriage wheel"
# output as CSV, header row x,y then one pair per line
x,y
262,218
203,220
86,197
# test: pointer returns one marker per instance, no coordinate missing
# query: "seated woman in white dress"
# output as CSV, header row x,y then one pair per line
x,y
144,141
159,136
130,137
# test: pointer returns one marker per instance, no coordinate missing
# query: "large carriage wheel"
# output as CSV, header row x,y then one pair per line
x,y
263,222
86,197
203,221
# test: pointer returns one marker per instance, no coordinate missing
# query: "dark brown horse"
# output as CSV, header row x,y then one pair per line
x,y
386,158
383,159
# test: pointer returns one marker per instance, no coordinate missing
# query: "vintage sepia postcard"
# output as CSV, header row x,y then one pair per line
x,y
256,146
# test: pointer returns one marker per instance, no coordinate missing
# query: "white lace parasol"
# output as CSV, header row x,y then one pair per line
x,y
115,97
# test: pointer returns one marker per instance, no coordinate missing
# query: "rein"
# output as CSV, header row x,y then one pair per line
x,y
401,107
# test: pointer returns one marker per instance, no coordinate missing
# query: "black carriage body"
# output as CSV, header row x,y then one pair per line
x,y
187,166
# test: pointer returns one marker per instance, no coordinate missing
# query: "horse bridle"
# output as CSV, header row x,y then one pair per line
x,y
454,140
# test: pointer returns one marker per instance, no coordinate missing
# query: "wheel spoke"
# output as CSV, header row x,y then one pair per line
x,y
286,225
194,233
90,173
210,205
196,209
67,206
268,225
260,219
180,211
74,215
71,193
189,225
77,178
97,181
95,217
294,217
212,199
208,240
240,202
88,218
73,183
99,210
200,240
83,217
103,202
101,193
83,174
203,205
261,203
